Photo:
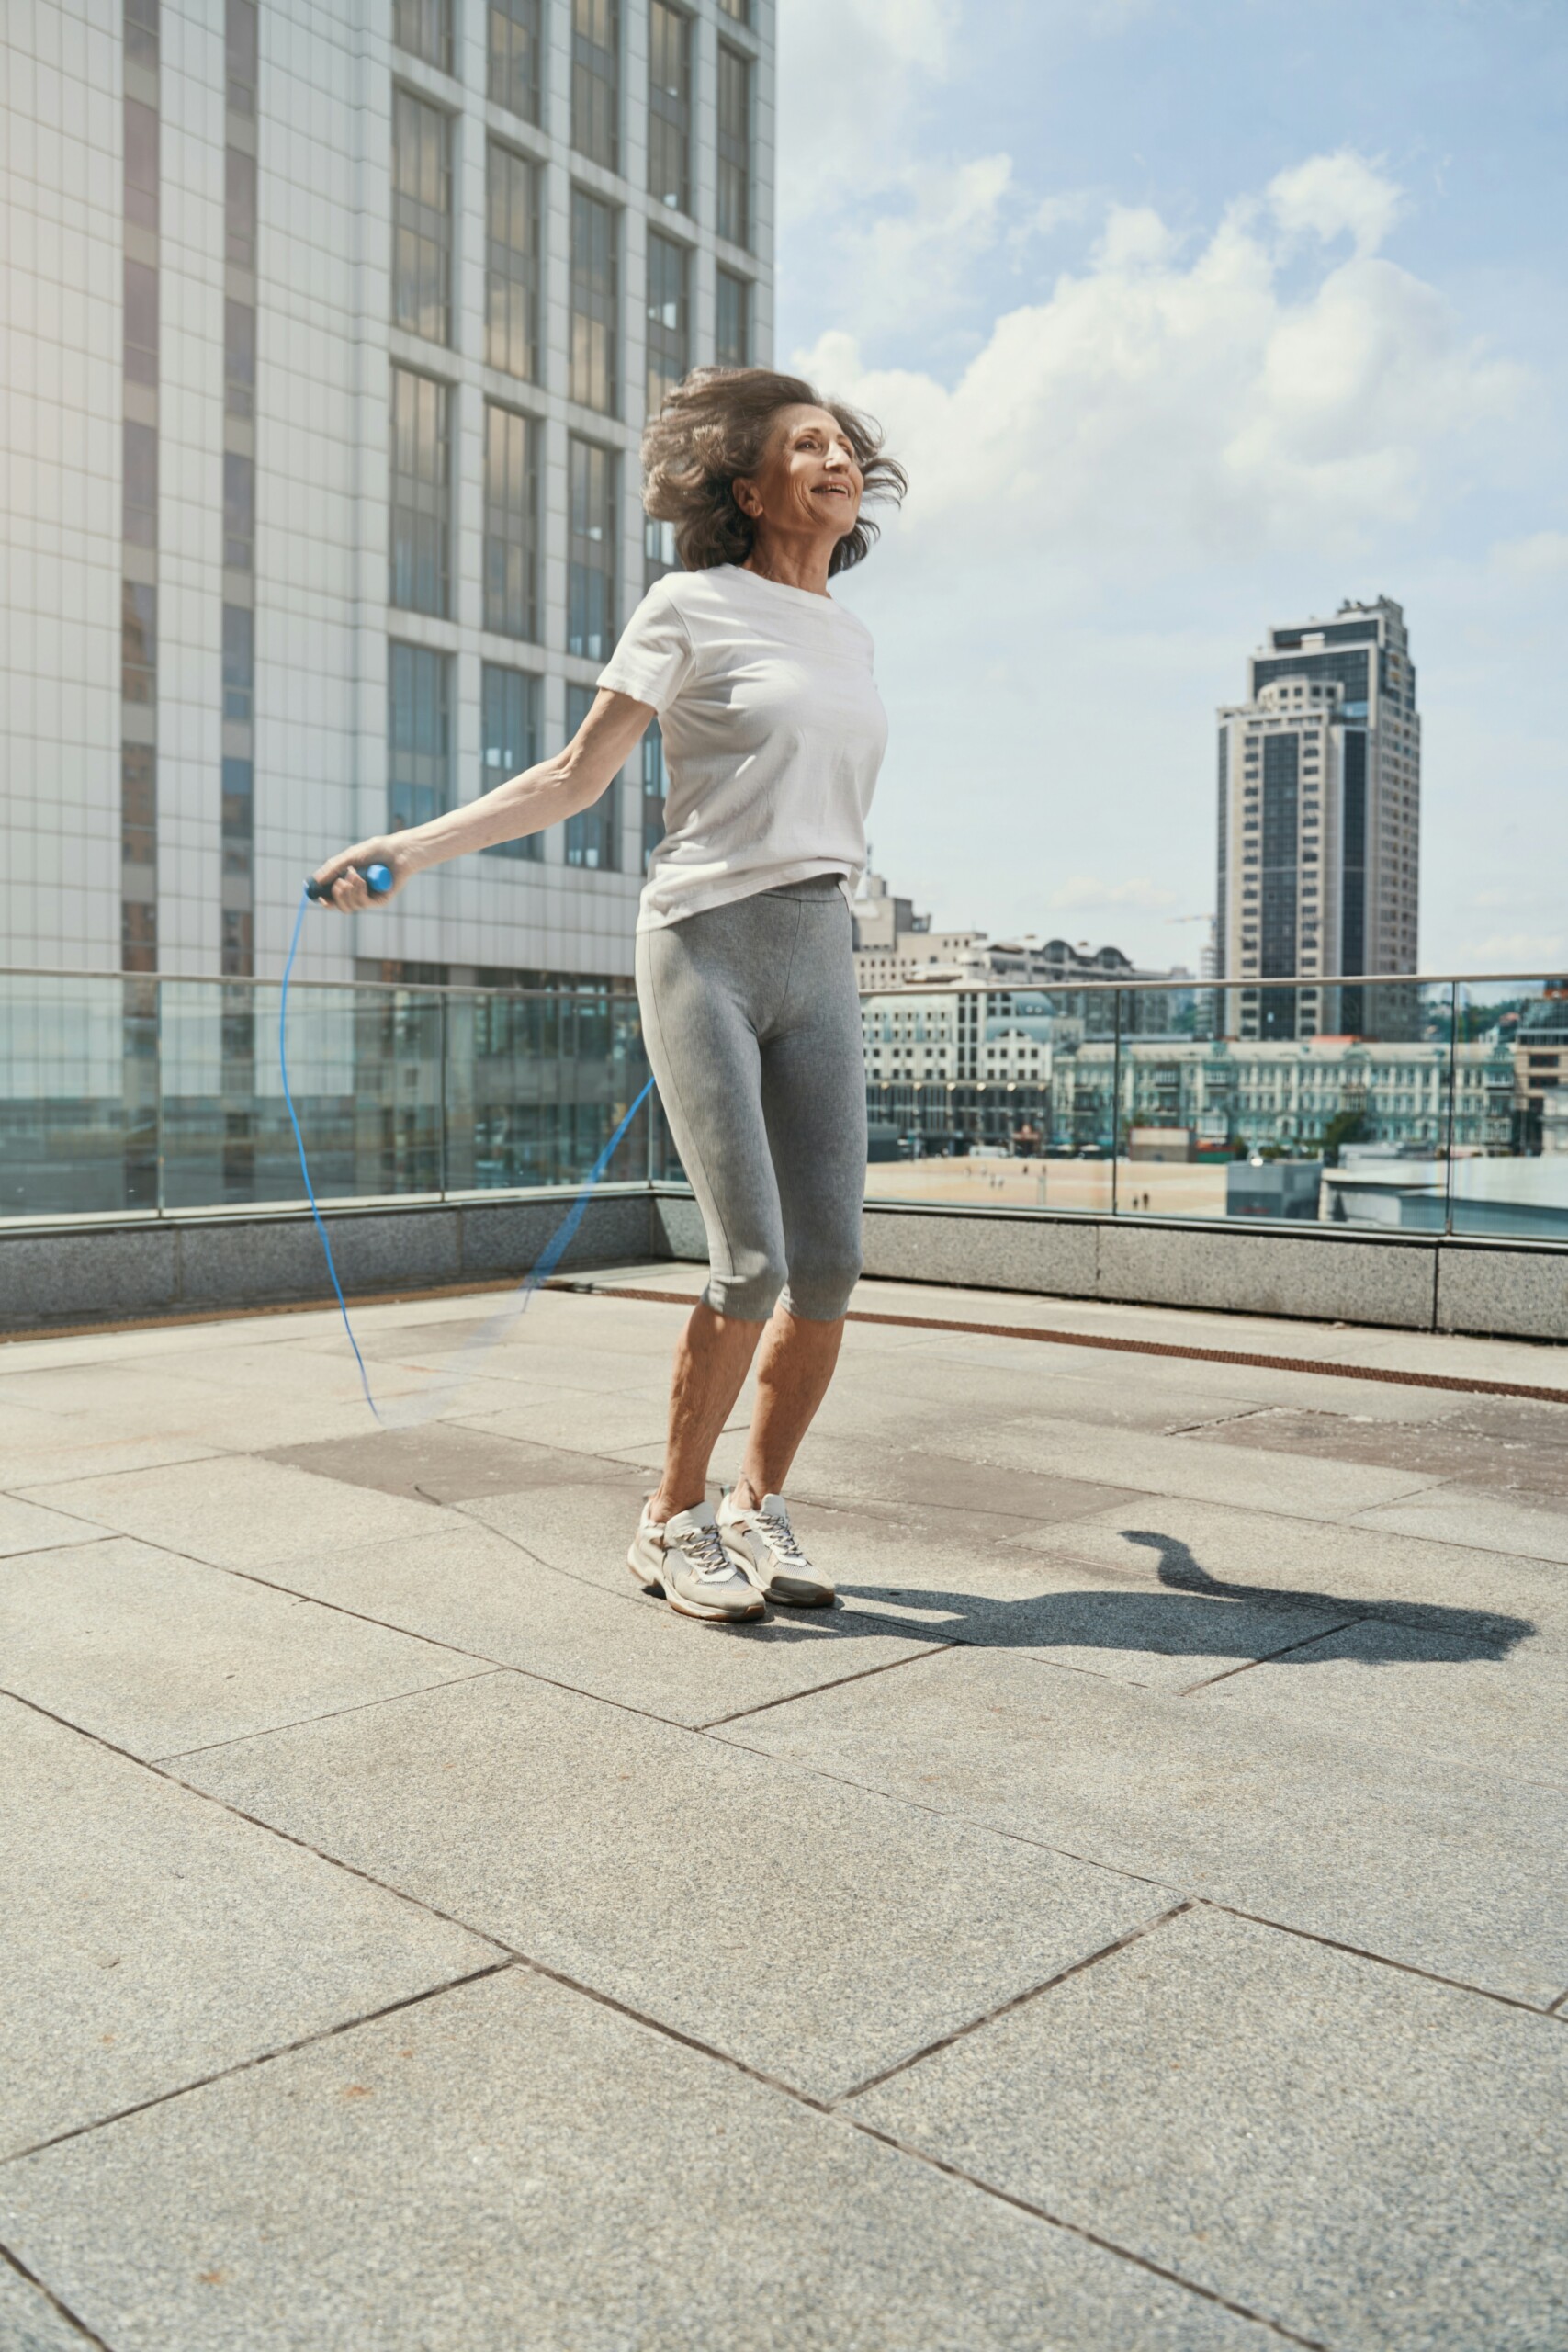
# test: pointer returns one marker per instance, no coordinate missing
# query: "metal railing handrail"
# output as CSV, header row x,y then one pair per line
x,y
624,993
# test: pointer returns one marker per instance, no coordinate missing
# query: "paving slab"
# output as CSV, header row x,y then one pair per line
x,y
566,1419
478,1590
29,2320
1533,1526
1368,2159
494,2168
443,1462
160,1654
815,1931
1437,1588
1425,1691
153,1937
235,1512
35,1527
1503,1444
1457,1872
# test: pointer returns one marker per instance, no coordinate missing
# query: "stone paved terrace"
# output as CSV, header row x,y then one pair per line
x,y
1134,1921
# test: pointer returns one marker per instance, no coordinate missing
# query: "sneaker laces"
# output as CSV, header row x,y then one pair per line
x,y
781,1536
703,1547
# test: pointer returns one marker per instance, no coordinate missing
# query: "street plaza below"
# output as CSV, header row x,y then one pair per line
x,y
1135,1919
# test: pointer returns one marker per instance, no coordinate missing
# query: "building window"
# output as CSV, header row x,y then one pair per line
x,y
140,164
740,9
140,485
515,48
418,735
591,835
591,572
239,662
424,29
511,523
141,33
421,218
733,146
655,786
658,552
669,318
732,322
421,519
138,641
239,359
509,721
594,301
138,808
239,42
240,208
237,828
141,323
239,512
512,265
670,107
596,81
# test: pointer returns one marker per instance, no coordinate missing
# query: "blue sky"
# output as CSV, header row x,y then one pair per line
x,y
1190,315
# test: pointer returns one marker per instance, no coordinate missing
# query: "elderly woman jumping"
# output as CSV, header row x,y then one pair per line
x,y
774,734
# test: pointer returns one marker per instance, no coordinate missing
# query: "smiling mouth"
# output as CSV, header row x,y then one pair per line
x,y
830,490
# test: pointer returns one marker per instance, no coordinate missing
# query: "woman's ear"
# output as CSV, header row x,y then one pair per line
x,y
745,496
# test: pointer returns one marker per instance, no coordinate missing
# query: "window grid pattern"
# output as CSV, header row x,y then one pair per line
x,y
239,512
596,81
513,71
655,786
421,218
733,146
419,729
240,208
669,317
590,565
511,523
421,533
670,107
143,28
239,57
140,484
140,321
511,263
236,947
509,723
239,359
740,9
732,321
424,29
1277,928
595,293
591,835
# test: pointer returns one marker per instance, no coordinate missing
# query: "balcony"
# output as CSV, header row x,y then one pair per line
x,y
1207,1147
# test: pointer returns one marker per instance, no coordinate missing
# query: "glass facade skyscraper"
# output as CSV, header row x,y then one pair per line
x,y
1319,809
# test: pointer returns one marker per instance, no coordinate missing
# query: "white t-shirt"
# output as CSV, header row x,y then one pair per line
x,y
773,734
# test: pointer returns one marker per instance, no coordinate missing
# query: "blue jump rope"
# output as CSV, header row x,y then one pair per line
x,y
378,881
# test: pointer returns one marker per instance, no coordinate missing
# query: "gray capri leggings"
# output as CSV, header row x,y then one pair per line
x,y
752,1022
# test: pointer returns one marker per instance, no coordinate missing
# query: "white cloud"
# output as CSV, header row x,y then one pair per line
x,y
914,261
1164,402
851,77
1333,195
1538,557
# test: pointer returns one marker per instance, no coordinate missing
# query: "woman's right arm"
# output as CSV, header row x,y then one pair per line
x,y
540,796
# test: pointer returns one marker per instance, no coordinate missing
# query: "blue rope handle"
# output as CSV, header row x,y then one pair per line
x,y
538,1273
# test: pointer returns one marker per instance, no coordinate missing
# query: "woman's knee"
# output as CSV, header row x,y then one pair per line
x,y
749,1287
821,1285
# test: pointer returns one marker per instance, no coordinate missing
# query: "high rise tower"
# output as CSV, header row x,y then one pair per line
x,y
332,331
1319,822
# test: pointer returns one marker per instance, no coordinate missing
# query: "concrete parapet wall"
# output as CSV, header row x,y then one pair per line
x,y
85,1272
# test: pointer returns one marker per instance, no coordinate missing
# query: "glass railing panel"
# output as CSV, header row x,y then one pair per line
x,y
1508,1178
994,1098
1300,1103
365,1072
535,1086
78,1095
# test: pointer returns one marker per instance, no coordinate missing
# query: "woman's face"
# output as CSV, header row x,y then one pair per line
x,y
809,480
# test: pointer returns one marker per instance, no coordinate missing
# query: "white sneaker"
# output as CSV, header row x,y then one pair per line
x,y
683,1557
765,1545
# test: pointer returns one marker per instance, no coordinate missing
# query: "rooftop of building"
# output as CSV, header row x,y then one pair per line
x,y
1133,1918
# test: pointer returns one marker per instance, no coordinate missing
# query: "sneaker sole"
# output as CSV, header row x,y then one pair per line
x,y
650,1583
788,1592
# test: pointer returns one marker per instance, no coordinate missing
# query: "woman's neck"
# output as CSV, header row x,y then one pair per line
x,y
794,563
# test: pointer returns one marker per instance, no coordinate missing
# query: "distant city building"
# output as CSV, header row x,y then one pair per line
x,y
332,335
896,947
1319,808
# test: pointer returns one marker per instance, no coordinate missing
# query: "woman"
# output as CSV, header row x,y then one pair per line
x,y
773,734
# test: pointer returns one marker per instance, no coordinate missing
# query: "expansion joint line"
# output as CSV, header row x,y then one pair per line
x,y
73,2319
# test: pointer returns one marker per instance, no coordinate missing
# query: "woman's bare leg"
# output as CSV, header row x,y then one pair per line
x,y
797,1365
712,1358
